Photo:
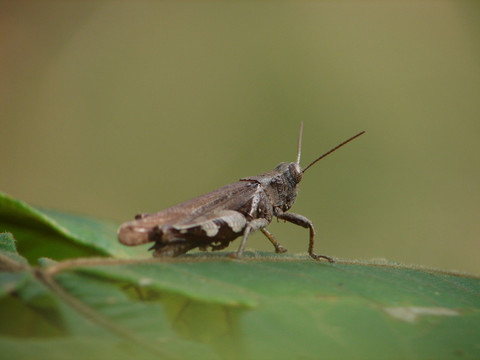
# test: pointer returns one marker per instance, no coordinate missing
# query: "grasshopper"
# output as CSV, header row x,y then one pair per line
x,y
217,218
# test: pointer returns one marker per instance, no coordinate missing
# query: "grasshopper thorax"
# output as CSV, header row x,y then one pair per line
x,y
281,184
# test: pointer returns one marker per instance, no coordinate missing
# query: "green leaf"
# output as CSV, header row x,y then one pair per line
x,y
80,316
263,307
46,233
212,307
9,258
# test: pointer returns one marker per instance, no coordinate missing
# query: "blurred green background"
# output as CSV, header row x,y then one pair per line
x,y
114,108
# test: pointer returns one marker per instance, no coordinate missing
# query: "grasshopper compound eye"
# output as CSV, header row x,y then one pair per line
x,y
295,172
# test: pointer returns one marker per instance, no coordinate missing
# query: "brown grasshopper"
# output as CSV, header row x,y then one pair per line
x,y
217,218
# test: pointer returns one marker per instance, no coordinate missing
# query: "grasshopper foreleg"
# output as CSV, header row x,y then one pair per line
x,y
304,222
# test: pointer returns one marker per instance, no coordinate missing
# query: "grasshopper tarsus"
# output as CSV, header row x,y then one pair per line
x,y
234,256
280,250
319,257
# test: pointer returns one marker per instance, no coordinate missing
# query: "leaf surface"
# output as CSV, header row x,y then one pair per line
x,y
47,233
210,307
264,306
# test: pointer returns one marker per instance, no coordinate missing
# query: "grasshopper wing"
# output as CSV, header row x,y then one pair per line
x,y
236,196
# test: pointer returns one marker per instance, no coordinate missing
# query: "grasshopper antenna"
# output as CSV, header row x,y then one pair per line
x,y
328,152
299,143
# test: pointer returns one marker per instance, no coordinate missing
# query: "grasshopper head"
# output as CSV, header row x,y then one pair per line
x,y
291,172
283,184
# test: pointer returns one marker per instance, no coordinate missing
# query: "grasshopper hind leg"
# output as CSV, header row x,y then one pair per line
x,y
216,246
171,249
254,225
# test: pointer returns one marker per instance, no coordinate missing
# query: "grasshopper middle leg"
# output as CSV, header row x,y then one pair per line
x,y
278,247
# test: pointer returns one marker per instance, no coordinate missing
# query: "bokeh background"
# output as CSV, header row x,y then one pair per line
x,y
113,108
